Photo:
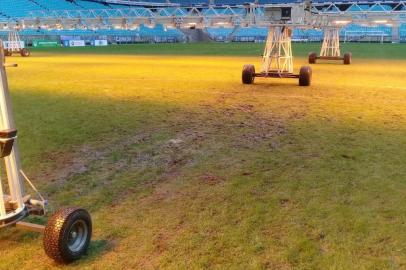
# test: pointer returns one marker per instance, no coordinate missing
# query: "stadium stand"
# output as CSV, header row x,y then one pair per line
x,y
16,9
402,31
366,33
219,34
91,5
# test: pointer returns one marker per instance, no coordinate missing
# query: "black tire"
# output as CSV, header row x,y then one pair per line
x,y
25,52
305,76
347,58
67,234
312,58
248,74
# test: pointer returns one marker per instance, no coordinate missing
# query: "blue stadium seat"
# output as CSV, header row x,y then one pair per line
x,y
57,4
15,9
219,34
91,5
18,8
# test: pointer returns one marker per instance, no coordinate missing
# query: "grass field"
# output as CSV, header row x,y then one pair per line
x,y
183,167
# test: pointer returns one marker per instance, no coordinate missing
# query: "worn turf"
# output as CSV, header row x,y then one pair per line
x,y
183,167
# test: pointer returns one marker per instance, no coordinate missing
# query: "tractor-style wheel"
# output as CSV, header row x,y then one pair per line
x,y
67,234
25,52
8,53
347,58
248,74
312,58
305,76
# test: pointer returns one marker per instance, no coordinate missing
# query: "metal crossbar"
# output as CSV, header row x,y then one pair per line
x,y
331,43
14,42
319,15
277,55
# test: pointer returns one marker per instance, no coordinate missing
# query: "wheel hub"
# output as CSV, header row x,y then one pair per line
x,y
78,234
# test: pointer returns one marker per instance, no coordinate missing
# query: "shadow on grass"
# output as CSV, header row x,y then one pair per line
x,y
96,249
92,150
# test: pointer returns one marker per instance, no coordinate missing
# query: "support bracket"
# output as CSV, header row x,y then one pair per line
x,y
30,226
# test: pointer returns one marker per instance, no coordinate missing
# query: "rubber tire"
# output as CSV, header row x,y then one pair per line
x,y
312,58
347,58
25,52
56,234
305,76
8,53
248,72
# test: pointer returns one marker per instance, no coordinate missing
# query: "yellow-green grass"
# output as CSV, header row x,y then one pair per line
x,y
183,167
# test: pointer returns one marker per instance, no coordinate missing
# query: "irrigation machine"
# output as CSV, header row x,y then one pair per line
x,y
15,45
277,59
330,48
68,231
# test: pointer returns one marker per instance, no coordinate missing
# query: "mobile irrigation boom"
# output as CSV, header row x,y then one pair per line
x,y
330,49
68,231
15,45
277,59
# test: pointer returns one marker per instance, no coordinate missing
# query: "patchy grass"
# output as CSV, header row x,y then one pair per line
x,y
183,167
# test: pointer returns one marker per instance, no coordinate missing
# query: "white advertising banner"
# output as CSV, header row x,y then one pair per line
x,y
100,42
76,43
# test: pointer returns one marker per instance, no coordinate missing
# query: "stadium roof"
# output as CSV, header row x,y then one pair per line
x,y
235,2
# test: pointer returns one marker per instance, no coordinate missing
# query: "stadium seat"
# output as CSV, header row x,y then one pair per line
x,y
17,9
